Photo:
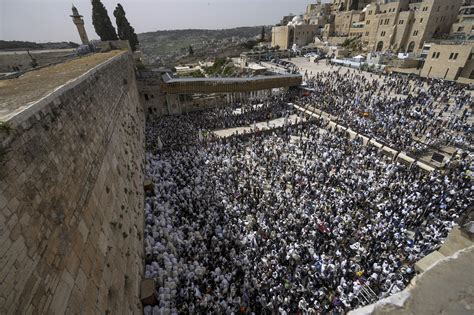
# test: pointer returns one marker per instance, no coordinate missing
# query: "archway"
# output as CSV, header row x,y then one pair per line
x,y
379,46
411,47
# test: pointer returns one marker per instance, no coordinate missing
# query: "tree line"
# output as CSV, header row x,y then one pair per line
x,y
104,28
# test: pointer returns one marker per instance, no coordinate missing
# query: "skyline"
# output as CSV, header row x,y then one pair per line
x,y
49,21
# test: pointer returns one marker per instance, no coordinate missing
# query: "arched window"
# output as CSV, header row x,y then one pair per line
x,y
379,46
411,47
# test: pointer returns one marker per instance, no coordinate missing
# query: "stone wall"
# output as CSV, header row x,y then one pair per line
x,y
71,198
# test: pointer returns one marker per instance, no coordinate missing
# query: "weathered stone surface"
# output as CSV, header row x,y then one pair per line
x,y
60,190
454,242
428,261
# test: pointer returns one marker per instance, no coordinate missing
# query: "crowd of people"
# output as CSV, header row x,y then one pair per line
x,y
303,219
207,121
407,114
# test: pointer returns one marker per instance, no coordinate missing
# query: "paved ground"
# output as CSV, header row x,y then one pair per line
x,y
18,94
274,123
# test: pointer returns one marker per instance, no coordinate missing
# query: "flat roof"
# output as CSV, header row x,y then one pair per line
x,y
170,79
23,92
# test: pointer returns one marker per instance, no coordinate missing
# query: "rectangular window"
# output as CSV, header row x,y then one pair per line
x,y
451,56
368,22
146,97
471,56
455,56
433,56
415,33
382,34
437,55
381,21
461,28
400,22
370,12
421,20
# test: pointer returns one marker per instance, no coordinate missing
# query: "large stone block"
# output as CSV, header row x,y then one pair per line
x,y
428,261
455,241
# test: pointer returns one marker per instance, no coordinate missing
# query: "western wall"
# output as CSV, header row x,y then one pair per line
x,y
71,189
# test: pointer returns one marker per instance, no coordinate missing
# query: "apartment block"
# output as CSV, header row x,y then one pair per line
x,y
450,61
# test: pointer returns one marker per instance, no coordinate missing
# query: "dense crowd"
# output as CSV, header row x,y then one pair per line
x,y
234,115
407,114
302,220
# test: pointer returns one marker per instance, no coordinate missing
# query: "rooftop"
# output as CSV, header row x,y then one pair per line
x,y
16,95
171,79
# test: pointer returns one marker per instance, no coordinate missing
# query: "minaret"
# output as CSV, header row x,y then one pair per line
x,y
77,19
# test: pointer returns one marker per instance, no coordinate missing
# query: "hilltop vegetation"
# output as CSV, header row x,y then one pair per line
x,y
166,47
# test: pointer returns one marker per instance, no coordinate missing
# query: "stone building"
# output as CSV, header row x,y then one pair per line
x,y
349,5
396,25
163,94
296,32
286,19
404,25
464,24
450,61
344,21
318,14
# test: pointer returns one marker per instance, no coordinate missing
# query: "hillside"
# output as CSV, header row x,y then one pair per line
x,y
170,45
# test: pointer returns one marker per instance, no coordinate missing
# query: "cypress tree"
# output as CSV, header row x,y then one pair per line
x,y
102,24
191,50
262,35
125,30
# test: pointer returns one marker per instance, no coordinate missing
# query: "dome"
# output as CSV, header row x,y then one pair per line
x,y
297,18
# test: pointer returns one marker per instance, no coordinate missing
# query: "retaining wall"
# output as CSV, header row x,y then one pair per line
x,y
71,198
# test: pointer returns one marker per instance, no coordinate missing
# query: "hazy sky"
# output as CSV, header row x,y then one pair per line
x,y
48,20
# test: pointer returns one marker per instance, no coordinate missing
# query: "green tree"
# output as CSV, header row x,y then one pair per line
x,y
124,29
191,50
102,25
262,35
